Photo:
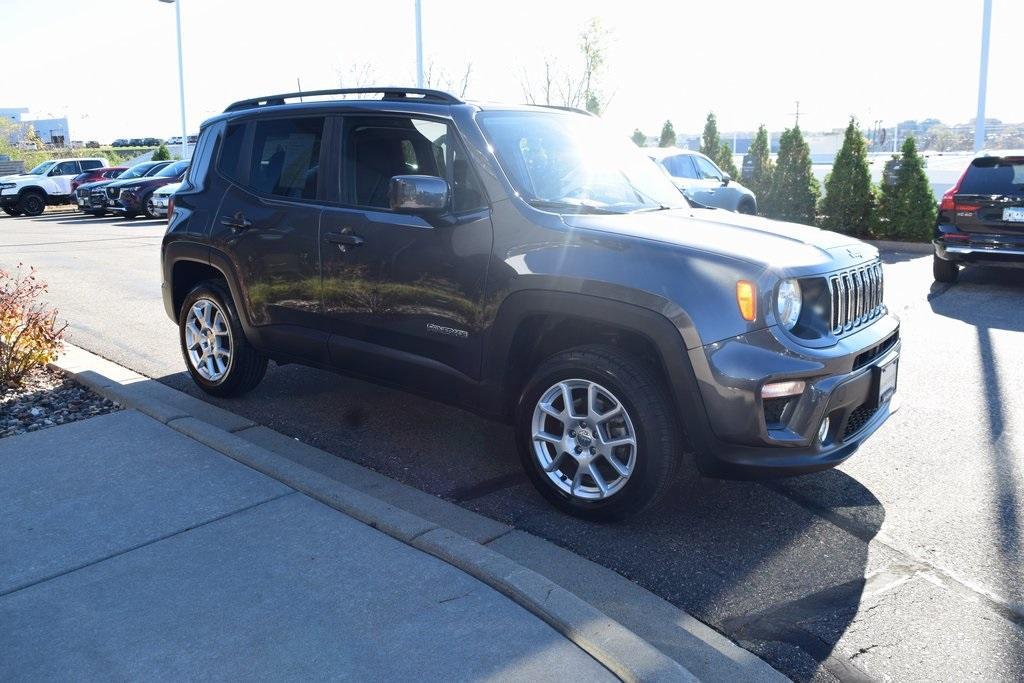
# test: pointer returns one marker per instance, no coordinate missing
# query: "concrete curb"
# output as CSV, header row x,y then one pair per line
x,y
624,653
923,248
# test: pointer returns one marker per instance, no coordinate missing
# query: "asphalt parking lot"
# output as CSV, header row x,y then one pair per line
x,y
904,563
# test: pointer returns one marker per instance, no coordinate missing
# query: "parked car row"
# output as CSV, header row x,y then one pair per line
x,y
151,142
131,194
47,184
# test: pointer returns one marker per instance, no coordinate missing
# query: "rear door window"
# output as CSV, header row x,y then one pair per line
x,y
1003,176
67,168
286,157
91,163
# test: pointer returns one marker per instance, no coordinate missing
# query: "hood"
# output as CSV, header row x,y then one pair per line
x,y
145,181
94,184
168,189
20,178
771,244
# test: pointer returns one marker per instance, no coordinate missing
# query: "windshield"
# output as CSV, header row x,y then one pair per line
x,y
42,168
136,171
173,171
568,161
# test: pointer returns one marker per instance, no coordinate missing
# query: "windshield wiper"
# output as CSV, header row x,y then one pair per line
x,y
571,207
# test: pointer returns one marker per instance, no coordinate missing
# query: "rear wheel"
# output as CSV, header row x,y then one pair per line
x,y
150,209
217,354
11,211
944,271
748,207
596,433
32,204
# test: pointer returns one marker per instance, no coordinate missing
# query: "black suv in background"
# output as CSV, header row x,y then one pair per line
x,y
981,218
527,264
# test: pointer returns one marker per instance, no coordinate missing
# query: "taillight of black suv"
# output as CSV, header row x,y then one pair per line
x,y
981,218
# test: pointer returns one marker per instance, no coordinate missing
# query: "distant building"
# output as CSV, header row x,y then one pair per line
x,y
50,131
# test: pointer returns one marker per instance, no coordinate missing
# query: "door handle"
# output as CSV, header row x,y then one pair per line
x,y
346,239
237,222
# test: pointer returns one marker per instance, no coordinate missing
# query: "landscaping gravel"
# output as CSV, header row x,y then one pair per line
x,y
45,399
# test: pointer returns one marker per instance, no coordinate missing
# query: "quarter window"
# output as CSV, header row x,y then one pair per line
x,y
231,150
286,157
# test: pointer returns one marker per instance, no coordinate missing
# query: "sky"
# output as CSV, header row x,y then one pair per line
x,y
110,66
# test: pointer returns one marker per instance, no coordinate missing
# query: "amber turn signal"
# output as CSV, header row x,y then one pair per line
x,y
746,297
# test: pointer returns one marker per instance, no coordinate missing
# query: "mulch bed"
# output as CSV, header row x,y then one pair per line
x,y
48,398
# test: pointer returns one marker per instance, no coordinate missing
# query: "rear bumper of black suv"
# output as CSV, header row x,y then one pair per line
x,y
981,248
754,438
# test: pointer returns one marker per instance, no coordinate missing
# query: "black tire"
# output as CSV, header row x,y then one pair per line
x,y
148,203
944,271
32,204
11,211
99,213
660,446
129,215
748,207
246,366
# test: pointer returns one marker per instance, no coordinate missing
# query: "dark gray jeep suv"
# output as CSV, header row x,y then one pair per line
x,y
522,262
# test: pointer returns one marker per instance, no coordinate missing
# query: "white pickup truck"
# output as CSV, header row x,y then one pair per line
x,y
48,183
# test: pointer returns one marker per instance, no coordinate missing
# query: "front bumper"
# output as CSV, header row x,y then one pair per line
x,y
753,438
8,200
159,206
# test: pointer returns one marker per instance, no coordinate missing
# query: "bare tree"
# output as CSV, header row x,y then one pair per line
x,y
357,75
436,77
577,86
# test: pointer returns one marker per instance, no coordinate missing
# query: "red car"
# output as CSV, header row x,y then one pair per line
x,y
97,174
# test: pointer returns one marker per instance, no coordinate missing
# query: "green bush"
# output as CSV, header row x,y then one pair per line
x,y
668,135
758,176
162,154
794,191
907,206
849,202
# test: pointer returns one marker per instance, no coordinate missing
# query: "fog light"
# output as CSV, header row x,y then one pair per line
x,y
782,389
823,430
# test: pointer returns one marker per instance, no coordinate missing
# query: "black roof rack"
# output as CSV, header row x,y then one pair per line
x,y
389,93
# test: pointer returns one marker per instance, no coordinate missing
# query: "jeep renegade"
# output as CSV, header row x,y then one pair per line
x,y
524,263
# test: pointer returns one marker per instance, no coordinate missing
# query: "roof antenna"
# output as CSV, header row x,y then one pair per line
x,y
299,83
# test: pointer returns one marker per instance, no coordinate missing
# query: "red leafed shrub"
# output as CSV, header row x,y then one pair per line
x,y
30,335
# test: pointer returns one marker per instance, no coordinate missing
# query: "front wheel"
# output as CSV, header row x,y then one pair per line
x,y
748,207
597,435
944,271
32,204
217,354
150,209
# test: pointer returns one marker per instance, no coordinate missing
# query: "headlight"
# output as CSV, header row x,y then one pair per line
x,y
130,188
7,186
788,303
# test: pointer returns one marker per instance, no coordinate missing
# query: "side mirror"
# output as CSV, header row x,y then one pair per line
x,y
418,194
726,178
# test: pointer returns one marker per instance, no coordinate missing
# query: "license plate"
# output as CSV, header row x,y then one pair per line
x,y
1014,214
887,380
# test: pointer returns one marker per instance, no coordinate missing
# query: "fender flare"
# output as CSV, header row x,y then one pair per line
x,y
656,328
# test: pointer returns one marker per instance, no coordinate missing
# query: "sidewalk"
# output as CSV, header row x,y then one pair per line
x,y
178,539
132,551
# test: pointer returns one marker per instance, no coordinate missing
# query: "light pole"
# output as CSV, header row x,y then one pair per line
x,y
419,45
979,122
181,79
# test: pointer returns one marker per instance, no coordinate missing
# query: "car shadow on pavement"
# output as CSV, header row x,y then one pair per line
x,y
759,562
70,218
987,299
891,257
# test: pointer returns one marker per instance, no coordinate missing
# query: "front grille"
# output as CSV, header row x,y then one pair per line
x,y
82,193
113,192
856,296
858,418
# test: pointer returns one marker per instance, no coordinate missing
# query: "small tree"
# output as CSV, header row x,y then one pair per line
x,y
794,189
849,196
668,135
758,174
32,137
710,141
725,161
638,138
162,154
908,206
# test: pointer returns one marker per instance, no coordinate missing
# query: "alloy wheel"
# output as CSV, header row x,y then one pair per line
x,y
584,439
208,340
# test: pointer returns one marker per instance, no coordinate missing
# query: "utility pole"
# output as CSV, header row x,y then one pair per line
x,y
181,79
419,45
979,122
797,113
